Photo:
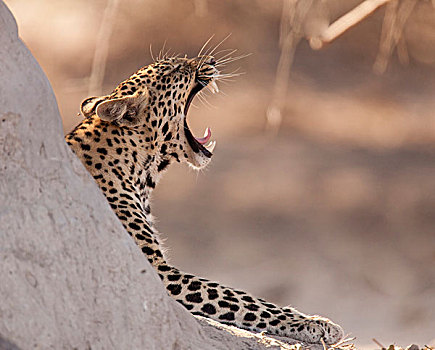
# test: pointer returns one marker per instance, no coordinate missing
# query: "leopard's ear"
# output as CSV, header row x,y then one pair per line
x,y
124,111
89,105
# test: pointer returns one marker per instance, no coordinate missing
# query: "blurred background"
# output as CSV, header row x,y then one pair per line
x,y
322,189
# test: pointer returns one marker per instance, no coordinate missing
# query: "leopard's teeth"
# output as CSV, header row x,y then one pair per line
x,y
210,147
213,87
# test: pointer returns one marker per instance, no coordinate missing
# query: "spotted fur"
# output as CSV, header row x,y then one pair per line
x,y
126,141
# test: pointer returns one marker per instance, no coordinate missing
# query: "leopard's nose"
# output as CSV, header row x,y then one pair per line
x,y
210,60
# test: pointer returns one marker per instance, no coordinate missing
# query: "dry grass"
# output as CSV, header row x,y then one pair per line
x,y
396,347
345,344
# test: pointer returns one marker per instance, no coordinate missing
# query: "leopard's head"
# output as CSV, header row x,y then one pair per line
x,y
153,103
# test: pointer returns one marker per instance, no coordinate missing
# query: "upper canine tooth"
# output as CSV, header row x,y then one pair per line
x,y
213,87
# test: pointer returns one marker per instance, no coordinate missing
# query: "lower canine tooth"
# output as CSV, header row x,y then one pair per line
x,y
210,147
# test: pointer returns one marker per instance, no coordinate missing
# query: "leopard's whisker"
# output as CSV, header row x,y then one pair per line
x,y
201,82
230,52
203,46
224,64
161,57
219,75
204,55
217,46
225,82
224,50
210,51
151,53
226,55
166,54
203,98
233,72
232,59
224,93
226,75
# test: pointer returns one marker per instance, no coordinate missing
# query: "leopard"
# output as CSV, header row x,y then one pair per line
x,y
127,140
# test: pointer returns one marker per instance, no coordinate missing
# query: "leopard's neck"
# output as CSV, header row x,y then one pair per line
x,y
116,158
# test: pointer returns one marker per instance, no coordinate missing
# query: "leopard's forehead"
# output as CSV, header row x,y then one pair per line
x,y
176,72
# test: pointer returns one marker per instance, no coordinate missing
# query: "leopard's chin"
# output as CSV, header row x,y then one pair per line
x,y
200,149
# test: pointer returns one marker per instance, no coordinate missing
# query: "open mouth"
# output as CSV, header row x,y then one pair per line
x,y
199,144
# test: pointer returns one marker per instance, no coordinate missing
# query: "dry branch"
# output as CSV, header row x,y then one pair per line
x,y
345,22
386,44
395,19
402,51
102,49
293,16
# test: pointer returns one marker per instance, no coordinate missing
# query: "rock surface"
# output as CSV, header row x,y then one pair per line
x,y
70,276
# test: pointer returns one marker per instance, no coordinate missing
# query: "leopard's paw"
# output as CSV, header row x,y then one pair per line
x,y
312,329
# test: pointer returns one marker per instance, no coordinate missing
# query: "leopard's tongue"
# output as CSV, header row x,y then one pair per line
x,y
205,141
206,138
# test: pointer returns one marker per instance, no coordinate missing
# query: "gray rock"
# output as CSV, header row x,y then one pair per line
x,y
7,345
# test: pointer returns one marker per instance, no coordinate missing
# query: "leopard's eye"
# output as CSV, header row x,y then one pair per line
x,y
176,68
171,69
